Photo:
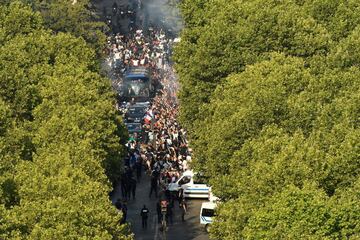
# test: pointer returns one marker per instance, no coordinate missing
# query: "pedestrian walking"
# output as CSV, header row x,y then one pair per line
x,y
128,188
133,187
124,212
138,167
169,214
180,195
144,216
158,211
183,207
123,184
154,183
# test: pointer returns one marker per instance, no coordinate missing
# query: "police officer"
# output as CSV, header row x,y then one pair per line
x,y
144,216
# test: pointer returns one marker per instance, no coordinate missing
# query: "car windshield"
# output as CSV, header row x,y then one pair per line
x,y
207,212
133,89
133,127
184,180
136,87
136,111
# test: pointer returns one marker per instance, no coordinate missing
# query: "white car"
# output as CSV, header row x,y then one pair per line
x,y
192,185
206,214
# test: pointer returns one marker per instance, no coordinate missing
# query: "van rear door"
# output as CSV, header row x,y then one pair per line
x,y
207,212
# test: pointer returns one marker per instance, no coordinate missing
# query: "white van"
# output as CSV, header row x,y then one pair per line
x,y
206,214
192,184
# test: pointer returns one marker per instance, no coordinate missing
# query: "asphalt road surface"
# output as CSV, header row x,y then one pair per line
x,y
190,229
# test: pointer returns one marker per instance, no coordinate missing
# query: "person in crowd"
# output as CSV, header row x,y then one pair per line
x,y
123,185
138,167
180,195
133,187
124,212
183,208
164,152
169,214
154,183
158,211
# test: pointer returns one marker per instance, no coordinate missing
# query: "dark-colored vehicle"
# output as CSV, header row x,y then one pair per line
x,y
135,113
134,128
137,85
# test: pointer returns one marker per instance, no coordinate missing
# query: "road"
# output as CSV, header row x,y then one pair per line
x,y
190,229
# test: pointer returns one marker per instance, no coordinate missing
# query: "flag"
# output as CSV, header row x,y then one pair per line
x,y
147,119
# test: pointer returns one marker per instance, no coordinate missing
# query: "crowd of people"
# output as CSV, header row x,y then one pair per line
x,y
136,49
162,149
121,14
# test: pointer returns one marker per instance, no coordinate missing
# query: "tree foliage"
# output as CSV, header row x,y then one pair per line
x,y
78,18
270,95
59,134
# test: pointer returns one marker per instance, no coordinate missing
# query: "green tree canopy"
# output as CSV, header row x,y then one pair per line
x,y
60,137
59,201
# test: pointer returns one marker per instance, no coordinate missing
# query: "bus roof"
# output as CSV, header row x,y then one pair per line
x,y
134,72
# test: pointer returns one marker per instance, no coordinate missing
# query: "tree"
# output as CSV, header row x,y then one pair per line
x,y
78,18
59,201
248,102
293,214
59,135
270,95
238,33
78,107
279,131
17,19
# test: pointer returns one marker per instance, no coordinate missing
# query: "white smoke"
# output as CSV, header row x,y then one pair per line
x,y
164,13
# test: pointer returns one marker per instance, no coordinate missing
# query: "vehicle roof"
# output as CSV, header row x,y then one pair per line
x,y
132,124
188,173
142,104
208,205
137,72
138,106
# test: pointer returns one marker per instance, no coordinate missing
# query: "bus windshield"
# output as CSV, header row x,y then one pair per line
x,y
136,87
